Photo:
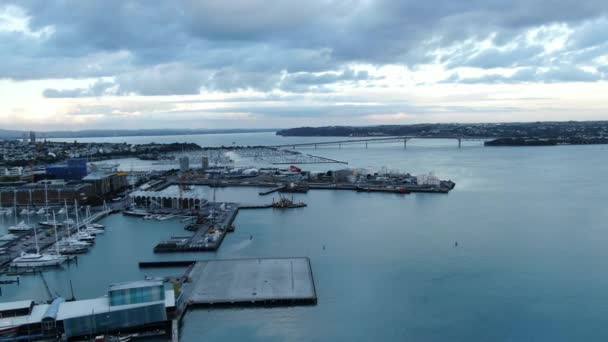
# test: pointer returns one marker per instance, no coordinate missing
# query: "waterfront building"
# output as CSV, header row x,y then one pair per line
x,y
106,182
128,308
37,194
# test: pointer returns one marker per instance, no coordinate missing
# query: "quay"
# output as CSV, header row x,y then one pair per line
x,y
249,282
209,230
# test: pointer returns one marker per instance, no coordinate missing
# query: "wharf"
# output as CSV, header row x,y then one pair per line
x,y
250,282
208,236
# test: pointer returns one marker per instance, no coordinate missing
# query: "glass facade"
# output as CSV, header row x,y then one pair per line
x,y
134,295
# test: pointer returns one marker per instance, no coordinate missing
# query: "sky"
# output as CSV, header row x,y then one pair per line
x,y
120,64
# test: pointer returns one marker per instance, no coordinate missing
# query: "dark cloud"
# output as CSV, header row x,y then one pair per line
x,y
231,45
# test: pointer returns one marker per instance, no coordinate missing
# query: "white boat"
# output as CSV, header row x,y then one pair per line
x,y
61,211
24,212
69,221
83,236
96,226
37,260
40,211
8,237
93,231
66,242
50,223
20,227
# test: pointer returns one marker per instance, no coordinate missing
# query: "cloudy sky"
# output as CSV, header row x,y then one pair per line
x,y
73,64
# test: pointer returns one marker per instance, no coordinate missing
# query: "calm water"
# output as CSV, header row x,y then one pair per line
x,y
529,265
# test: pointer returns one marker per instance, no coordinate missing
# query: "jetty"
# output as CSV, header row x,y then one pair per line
x,y
248,282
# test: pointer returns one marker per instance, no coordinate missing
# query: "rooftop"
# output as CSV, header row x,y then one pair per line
x,y
135,284
22,304
98,175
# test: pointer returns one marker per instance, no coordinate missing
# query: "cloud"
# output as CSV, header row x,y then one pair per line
x,y
255,37
532,75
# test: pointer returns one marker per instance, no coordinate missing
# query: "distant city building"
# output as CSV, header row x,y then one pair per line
x,y
32,137
76,169
106,182
205,163
184,164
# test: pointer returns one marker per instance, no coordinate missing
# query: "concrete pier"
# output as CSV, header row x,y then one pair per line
x,y
250,282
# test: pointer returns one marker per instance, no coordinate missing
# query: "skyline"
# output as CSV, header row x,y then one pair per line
x,y
216,65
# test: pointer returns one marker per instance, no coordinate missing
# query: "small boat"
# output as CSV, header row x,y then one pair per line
x,y
93,231
20,227
50,224
69,221
40,211
96,225
72,249
37,260
73,242
24,212
83,236
8,237
61,211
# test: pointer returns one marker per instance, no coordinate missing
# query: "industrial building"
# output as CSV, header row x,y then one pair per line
x,y
75,169
106,182
128,308
43,192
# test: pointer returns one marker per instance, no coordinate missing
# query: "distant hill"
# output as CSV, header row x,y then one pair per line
x,y
561,130
99,133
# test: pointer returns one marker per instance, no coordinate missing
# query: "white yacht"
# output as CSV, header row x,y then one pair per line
x,y
50,223
84,236
37,259
93,231
73,242
20,227
8,237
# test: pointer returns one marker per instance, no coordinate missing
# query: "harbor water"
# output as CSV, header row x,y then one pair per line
x,y
514,253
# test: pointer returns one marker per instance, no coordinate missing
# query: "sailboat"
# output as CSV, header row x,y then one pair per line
x,y
81,235
69,245
20,227
88,219
36,259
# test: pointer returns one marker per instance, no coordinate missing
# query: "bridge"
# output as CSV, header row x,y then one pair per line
x,y
379,140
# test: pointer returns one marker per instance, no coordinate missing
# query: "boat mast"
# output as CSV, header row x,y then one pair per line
x,y
55,229
76,211
36,239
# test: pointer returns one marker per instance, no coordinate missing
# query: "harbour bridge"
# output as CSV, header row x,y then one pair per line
x,y
379,140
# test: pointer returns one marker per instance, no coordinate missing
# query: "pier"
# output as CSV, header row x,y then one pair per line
x,y
250,282
209,231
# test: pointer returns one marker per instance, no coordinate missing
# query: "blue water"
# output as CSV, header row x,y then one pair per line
x,y
529,266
